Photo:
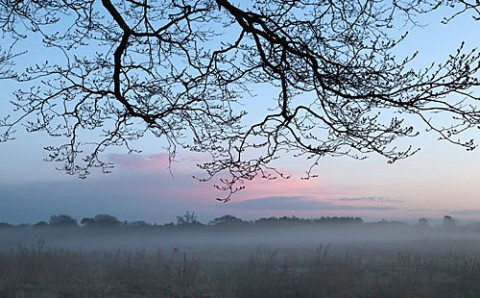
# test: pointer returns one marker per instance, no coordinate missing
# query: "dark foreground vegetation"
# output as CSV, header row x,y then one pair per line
x,y
254,259
37,271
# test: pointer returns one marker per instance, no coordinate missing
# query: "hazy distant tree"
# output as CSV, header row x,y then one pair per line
x,y
106,220
336,219
188,218
448,221
226,219
62,220
87,221
4,225
101,220
356,219
423,222
40,224
349,219
183,70
169,225
290,219
270,219
137,224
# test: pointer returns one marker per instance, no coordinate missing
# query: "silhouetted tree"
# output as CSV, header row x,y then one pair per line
x,y
336,219
183,69
290,219
62,220
267,220
137,224
188,218
101,220
448,221
226,220
106,220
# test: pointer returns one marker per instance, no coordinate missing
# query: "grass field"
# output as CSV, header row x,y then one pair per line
x,y
269,263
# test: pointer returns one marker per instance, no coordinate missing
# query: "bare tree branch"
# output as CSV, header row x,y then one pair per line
x,y
182,69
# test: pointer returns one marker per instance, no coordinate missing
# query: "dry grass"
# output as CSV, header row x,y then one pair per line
x,y
39,271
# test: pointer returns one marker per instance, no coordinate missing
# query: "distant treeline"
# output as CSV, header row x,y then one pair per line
x,y
189,219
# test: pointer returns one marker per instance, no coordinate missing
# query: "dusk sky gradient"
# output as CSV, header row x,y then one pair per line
x,y
440,179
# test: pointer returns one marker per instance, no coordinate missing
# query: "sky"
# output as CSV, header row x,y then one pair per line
x,y
440,179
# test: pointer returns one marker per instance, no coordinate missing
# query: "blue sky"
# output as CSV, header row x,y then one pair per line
x,y
440,179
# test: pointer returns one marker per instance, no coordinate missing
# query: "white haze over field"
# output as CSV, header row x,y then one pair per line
x,y
219,244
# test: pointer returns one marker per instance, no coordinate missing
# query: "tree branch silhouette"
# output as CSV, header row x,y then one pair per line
x,y
182,69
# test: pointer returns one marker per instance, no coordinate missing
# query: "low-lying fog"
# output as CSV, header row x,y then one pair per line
x,y
236,242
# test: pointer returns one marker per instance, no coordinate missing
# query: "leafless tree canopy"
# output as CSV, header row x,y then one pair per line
x,y
186,71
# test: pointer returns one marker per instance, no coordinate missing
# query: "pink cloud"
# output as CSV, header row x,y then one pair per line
x,y
313,188
157,182
182,183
